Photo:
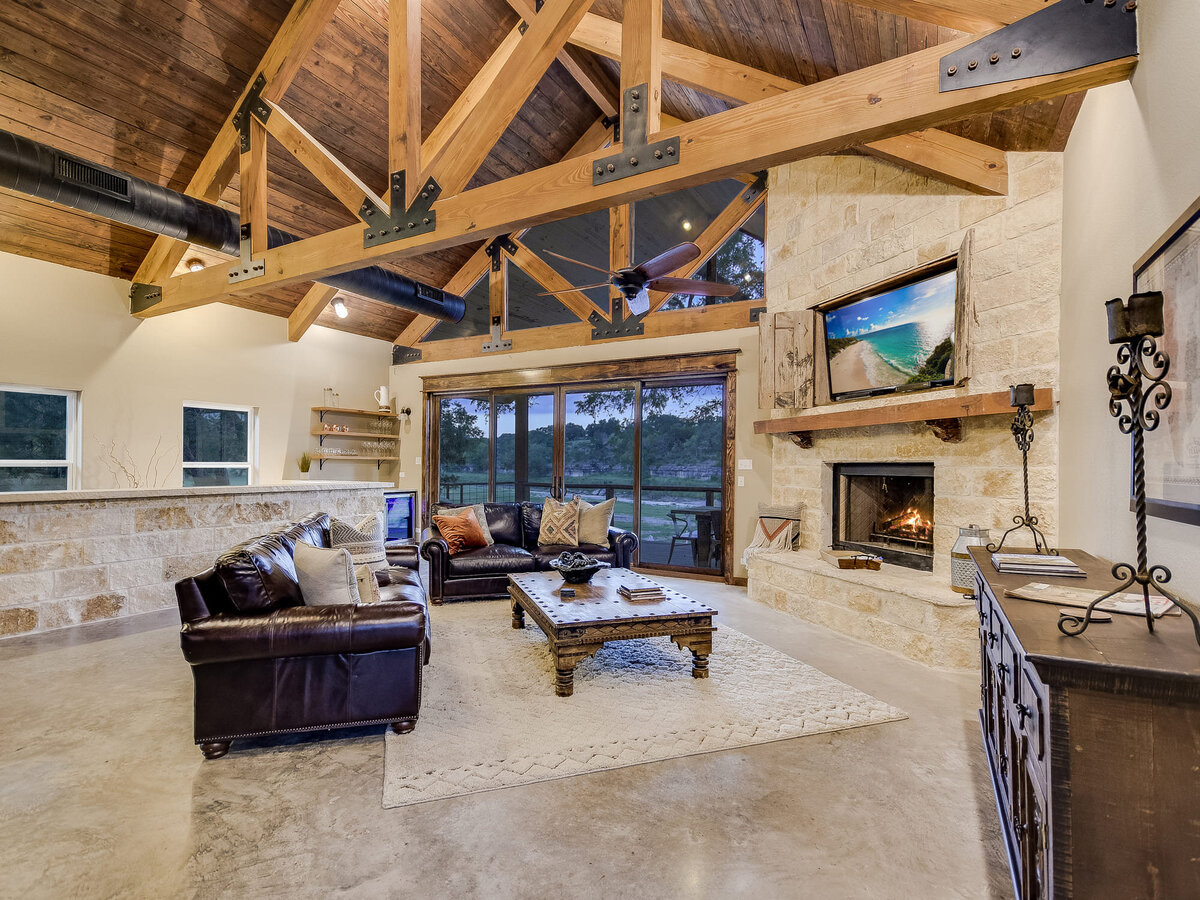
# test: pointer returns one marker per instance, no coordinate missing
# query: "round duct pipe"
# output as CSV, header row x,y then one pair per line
x,y
38,170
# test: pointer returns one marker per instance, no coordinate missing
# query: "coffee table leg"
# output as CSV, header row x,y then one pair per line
x,y
518,615
565,661
701,647
564,681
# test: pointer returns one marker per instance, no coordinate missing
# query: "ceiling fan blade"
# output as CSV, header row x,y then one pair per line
x,y
692,287
669,260
580,262
586,287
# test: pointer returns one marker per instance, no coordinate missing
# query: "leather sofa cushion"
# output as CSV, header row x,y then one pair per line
x,y
313,529
304,631
504,522
496,559
543,555
403,553
400,584
259,575
531,524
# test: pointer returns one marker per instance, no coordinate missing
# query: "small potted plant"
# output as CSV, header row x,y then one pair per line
x,y
305,463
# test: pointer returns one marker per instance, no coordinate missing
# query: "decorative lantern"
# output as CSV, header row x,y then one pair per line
x,y
962,567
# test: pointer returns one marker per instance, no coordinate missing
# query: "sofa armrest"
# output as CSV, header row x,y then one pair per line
x,y
405,554
622,543
435,549
304,631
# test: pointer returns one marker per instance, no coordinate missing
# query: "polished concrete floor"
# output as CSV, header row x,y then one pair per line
x,y
102,794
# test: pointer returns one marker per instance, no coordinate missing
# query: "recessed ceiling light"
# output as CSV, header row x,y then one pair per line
x,y
340,308
194,264
687,225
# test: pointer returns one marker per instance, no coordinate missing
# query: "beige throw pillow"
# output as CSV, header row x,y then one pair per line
x,y
594,521
560,524
479,514
368,585
326,577
364,540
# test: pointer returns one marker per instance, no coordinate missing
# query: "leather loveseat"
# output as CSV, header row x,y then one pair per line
x,y
264,663
483,573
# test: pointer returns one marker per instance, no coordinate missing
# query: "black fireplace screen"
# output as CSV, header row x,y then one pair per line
x,y
886,510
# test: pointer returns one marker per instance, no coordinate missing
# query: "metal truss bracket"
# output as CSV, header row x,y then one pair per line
x,y
613,122
497,343
1071,34
620,326
755,188
402,354
247,267
636,155
143,296
420,218
756,313
497,248
252,107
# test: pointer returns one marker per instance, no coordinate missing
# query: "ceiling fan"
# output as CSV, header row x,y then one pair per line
x,y
636,282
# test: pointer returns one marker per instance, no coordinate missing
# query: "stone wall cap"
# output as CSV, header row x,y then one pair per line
x,y
287,487
925,586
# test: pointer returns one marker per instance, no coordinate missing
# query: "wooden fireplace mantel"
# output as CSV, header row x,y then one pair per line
x,y
942,413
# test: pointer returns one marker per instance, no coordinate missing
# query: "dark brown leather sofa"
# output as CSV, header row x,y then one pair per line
x,y
264,663
483,573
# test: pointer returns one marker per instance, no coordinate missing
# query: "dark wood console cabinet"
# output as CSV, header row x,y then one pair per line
x,y
1093,743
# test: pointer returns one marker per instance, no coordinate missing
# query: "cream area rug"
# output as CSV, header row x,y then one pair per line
x,y
490,718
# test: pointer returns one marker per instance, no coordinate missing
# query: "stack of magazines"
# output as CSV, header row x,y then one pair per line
x,y
645,592
1035,564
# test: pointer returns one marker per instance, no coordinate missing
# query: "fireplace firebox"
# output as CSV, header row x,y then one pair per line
x,y
885,509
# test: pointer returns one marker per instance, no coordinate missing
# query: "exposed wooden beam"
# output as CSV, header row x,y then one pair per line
x,y
620,242
549,278
641,61
404,93
479,117
870,104
712,238
965,15
327,168
311,305
959,161
252,165
939,154
279,65
498,292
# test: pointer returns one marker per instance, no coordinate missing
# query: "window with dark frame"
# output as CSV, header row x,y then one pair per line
x,y
38,439
219,445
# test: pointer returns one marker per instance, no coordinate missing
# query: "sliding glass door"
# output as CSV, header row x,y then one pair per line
x,y
599,444
525,451
464,449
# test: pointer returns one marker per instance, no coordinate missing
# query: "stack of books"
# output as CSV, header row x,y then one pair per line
x,y
645,592
1035,564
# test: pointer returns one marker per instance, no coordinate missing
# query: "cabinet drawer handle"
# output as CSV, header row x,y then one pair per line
x,y
1003,764
991,639
1023,713
1018,828
1002,668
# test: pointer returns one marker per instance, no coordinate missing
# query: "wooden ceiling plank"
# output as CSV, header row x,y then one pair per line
x,y
550,279
404,93
971,16
308,309
324,166
283,58
964,163
810,121
712,238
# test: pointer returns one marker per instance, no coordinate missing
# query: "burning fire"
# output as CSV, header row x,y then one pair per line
x,y
909,523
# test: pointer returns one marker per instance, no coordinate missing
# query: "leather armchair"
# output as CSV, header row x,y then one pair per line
x,y
263,663
483,573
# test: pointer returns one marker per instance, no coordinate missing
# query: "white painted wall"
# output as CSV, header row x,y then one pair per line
x,y
406,386
1130,171
69,329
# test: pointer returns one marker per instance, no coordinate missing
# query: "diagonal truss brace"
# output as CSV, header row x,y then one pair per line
x,y
420,218
636,154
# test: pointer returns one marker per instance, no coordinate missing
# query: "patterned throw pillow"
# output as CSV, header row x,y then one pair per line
x,y
560,523
480,517
364,540
594,521
461,533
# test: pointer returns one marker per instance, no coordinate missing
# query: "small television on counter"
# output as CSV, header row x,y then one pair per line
x,y
896,336
400,506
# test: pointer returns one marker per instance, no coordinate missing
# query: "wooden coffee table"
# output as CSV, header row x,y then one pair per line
x,y
579,626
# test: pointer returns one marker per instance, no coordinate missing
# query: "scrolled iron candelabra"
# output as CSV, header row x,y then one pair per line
x,y
1138,394
1021,397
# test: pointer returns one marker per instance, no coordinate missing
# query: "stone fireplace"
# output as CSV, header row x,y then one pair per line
x,y
885,509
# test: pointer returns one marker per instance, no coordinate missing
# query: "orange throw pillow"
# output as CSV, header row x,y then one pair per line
x,y
461,532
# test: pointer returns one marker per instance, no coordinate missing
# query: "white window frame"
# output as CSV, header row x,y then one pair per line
x,y
74,446
251,437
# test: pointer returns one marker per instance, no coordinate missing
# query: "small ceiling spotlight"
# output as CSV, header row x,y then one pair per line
x,y
194,264
748,277
686,224
339,307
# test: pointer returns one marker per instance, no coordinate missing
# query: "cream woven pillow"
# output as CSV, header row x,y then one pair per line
x,y
594,521
560,524
326,577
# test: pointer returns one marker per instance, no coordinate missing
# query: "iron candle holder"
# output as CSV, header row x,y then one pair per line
x,y
1138,381
1020,396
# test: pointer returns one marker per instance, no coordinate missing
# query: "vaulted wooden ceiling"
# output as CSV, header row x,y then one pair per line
x,y
144,86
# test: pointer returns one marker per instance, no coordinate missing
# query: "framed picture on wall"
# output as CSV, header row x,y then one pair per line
x,y
1172,266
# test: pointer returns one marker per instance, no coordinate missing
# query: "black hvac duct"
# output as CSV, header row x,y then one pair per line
x,y
41,171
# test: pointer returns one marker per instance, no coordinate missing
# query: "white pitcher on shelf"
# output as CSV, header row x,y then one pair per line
x,y
383,398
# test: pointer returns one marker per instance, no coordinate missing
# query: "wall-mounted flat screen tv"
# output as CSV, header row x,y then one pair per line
x,y
900,337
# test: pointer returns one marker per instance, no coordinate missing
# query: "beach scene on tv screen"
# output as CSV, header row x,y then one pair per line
x,y
902,336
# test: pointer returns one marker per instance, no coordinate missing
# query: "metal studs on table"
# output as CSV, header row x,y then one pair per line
x,y
1021,397
1139,393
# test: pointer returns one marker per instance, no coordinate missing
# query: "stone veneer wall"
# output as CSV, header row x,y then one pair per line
x,y
100,555
839,224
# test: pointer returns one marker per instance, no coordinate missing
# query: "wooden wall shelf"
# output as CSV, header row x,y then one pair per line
x,y
942,413
321,435
372,413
